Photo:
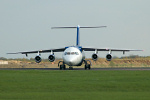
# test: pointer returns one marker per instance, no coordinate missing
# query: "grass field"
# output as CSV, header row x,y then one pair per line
x,y
74,85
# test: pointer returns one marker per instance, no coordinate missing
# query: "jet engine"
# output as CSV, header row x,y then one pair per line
x,y
94,56
51,58
38,59
108,57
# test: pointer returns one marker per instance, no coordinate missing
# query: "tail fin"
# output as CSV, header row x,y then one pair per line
x,y
78,33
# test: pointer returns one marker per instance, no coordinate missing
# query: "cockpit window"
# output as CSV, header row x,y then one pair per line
x,y
76,53
71,53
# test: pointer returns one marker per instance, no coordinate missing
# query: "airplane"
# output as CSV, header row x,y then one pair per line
x,y
74,55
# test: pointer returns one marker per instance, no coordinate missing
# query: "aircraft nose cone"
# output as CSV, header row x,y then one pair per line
x,y
70,61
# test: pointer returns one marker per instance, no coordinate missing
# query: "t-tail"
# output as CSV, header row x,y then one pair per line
x,y
78,31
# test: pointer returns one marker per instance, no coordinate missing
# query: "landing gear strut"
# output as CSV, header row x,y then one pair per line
x,y
87,66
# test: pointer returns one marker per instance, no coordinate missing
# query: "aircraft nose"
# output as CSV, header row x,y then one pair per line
x,y
71,61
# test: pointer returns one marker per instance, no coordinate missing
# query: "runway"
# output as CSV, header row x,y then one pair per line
x,y
137,68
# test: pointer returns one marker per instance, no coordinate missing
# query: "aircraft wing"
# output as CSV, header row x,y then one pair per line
x,y
40,51
106,49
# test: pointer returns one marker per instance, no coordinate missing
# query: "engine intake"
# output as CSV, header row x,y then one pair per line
x,y
108,57
51,58
38,59
94,57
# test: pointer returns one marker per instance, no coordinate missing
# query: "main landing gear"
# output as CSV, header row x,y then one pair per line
x,y
87,65
62,66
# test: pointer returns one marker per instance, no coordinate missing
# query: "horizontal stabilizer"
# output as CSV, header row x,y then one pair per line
x,y
94,27
79,27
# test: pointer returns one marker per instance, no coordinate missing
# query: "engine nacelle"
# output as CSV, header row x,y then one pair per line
x,y
108,57
38,59
51,58
94,56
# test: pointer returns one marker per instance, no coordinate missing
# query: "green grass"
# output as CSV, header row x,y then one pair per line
x,y
74,85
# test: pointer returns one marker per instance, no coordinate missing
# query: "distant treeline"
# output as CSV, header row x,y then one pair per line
x,y
24,59
135,56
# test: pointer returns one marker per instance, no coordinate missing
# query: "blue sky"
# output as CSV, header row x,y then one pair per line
x,y
25,25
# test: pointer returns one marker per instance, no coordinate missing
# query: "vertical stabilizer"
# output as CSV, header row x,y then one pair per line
x,y
78,36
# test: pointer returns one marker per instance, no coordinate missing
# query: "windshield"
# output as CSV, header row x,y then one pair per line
x,y
71,53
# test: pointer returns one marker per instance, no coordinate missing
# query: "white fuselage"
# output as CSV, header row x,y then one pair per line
x,y
72,56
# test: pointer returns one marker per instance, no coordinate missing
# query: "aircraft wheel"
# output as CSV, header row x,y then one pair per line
x,y
60,67
64,67
89,66
85,67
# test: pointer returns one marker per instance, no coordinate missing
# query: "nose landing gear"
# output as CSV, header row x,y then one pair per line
x,y
63,66
70,68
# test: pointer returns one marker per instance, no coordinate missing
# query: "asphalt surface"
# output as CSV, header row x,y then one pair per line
x,y
139,68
